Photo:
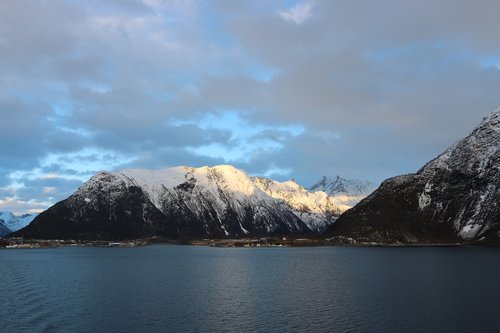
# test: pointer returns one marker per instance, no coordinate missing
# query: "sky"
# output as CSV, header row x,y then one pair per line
x,y
284,89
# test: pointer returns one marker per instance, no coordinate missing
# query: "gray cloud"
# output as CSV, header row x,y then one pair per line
x,y
41,189
160,137
170,157
35,33
26,134
410,67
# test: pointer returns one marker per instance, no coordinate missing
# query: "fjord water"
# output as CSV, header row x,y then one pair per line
x,y
164,288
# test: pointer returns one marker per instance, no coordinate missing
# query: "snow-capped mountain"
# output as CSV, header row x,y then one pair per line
x,y
10,222
455,197
316,209
347,192
183,202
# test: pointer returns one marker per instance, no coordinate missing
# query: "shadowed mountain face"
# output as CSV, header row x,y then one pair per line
x,y
453,198
103,208
4,230
183,202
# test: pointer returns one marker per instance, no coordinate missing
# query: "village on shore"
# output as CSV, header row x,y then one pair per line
x,y
260,242
281,241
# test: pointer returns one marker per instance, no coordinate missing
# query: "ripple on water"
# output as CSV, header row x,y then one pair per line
x,y
25,308
197,289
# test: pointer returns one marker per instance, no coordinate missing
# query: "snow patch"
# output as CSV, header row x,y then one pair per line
x,y
469,231
225,231
424,199
245,231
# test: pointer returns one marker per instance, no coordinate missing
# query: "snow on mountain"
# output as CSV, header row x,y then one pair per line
x,y
477,157
310,207
453,198
183,201
316,210
212,180
14,222
347,192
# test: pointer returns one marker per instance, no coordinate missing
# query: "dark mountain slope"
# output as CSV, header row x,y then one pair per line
x,y
453,198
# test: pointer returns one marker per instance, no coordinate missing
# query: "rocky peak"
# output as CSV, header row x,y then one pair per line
x,y
475,153
452,198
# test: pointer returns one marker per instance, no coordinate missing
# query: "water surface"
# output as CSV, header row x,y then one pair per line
x,y
164,288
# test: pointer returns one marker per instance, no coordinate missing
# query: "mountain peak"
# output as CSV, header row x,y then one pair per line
x,y
341,186
225,168
452,198
493,117
473,154
10,222
293,184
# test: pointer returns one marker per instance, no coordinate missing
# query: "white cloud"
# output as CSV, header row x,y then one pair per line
x,y
49,189
299,13
17,206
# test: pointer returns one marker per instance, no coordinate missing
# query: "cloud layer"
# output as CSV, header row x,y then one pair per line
x,y
282,88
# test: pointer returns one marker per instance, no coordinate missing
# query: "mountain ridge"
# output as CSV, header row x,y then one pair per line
x,y
219,201
452,198
10,222
347,191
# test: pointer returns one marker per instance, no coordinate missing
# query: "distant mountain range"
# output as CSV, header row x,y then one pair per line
x,y
220,201
346,191
453,198
10,222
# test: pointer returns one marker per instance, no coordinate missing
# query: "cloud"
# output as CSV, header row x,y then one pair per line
x,y
34,194
350,69
16,206
299,13
293,89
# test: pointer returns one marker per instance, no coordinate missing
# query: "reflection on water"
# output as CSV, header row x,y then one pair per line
x,y
198,289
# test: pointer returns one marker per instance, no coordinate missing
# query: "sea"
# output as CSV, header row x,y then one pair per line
x,y
175,288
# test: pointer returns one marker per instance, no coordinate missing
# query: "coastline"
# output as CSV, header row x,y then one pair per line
x,y
258,242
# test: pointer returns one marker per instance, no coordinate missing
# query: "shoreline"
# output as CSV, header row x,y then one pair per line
x,y
260,242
